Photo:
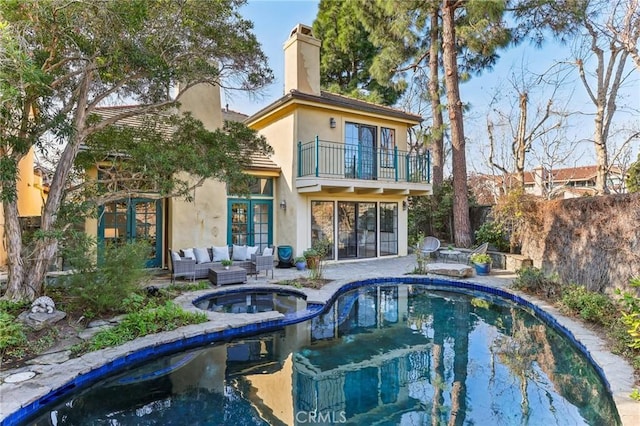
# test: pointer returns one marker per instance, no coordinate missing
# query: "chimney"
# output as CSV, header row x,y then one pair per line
x,y
302,61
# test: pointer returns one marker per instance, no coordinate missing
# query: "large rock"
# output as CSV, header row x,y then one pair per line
x,y
40,320
457,270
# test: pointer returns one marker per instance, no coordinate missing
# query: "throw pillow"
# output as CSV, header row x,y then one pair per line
x,y
188,253
202,255
251,250
220,253
239,252
175,256
267,251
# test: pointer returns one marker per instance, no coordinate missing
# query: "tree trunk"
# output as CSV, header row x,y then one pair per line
x,y
521,142
16,291
26,281
437,147
462,225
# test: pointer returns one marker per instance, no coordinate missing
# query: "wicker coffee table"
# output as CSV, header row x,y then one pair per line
x,y
222,276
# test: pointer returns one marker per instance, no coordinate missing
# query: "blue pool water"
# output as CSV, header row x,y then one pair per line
x,y
252,301
383,354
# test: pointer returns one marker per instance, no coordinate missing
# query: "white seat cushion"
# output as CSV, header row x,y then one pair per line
x,y
267,251
175,256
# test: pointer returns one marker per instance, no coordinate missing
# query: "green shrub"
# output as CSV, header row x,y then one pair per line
x,y
13,308
631,314
11,332
102,289
152,319
495,234
533,280
589,305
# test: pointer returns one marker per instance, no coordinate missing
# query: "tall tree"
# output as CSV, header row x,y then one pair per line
x,y
67,58
346,54
475,15
410,36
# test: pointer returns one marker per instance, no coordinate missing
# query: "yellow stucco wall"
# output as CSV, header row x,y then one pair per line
x,y
280,136
202,222
30,191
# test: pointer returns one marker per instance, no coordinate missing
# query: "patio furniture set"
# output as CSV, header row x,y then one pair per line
x,y
198,263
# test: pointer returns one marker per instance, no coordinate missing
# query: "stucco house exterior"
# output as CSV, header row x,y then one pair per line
x,y
341,170
346,169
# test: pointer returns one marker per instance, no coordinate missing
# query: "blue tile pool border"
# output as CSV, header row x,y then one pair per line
x,y
312,310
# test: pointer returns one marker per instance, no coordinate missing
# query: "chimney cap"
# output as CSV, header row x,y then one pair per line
x,y
301,29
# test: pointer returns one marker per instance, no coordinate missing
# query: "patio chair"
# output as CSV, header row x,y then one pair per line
x,y
262,263
482,248
181,266
430,245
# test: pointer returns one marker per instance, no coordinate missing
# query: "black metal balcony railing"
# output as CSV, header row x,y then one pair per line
x,y
358,161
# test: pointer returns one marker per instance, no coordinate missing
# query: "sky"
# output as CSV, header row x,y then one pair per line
x,y
274,19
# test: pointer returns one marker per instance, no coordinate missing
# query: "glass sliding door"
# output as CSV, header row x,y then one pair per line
x,y
388,229
367,230
357,230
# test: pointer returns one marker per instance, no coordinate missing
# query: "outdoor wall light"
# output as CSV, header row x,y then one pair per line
x,y
283,205
404,205
332,123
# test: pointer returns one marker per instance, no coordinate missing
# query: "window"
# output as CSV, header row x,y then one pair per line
x,y
387,147
257,186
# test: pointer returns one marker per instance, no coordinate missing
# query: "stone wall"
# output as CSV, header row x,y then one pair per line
x,y
592,241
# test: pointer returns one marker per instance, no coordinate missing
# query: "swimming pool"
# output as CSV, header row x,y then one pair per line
x,y
252,301
396,353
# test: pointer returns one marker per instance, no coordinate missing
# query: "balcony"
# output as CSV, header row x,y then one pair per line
x,y
335,167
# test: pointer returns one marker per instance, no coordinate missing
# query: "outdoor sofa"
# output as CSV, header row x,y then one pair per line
x,y
194,263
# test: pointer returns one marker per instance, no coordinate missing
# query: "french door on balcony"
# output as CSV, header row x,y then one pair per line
x,y
250,222
360,151
131,220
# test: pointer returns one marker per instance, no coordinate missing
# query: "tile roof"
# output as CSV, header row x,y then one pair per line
x,y
340,101
258,161
570,174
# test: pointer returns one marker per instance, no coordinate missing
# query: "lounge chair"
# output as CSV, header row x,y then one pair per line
x,y
430,245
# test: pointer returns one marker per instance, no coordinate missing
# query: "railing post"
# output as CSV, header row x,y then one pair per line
x,y
299,158
406,158
317,156
428,166
395,161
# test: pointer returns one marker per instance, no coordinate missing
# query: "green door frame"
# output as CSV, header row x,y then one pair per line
x,y
252,222
154,261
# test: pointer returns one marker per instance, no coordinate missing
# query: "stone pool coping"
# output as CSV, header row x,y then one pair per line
x,y
55,376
